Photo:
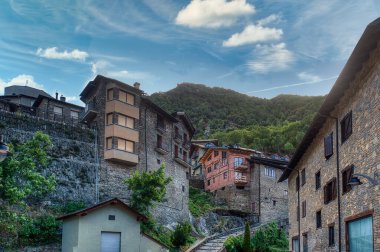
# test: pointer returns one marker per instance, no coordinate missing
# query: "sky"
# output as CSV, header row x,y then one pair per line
x,y
260,48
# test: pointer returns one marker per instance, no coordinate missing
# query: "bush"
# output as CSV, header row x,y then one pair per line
x,y
234,244
69,207
181,235
42,230
200,202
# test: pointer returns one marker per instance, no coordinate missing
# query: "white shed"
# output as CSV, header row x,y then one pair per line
x,y
111,226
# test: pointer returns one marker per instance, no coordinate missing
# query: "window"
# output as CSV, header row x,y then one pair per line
x,y
224,154
208,182
185,137
285,192
297,183
209,169
346,127
274,202
125,121
360,234
304,209
238,161
158,161
209,158
111,217
109,94
57,110
74,114
331,235
318,219
216,153
329,149
184,156
303,177
176,151
159,141
125,145
213,180
160,122
346,176
304,242
130,99
295,244
176,132
318,180
183,188
109,118
240,187
330,191
122,96
109,143
225,174
269,172
298,213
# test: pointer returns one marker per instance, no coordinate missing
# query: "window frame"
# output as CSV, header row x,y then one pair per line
x,y
347,173
343,128
317,180
304,209
329,141
333,184
59,107
318,220
331,235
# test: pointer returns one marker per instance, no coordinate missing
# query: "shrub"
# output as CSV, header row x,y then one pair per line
x,y
181,235
42,230
69,207
200,202
247,239
234,244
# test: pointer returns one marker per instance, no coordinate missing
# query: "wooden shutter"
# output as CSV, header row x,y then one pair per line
x,y
329,150
348,124
325,193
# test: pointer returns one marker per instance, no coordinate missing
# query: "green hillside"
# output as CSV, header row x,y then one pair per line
x,y
265,124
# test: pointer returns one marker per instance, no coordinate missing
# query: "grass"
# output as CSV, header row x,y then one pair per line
x,y
200,202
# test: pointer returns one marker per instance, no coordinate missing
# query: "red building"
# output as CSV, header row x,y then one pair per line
x,y
224,166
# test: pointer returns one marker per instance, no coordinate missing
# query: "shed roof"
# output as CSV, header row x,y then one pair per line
x,y
360,54
114,201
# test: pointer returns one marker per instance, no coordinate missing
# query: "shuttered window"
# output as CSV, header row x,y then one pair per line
x,y
331,235
346,127
346,176
318,218
317,180
304,209
330,191
303,177
329,150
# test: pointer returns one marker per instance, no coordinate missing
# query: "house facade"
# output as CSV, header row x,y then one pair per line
x,y
246,180
107,227
326,211
136,134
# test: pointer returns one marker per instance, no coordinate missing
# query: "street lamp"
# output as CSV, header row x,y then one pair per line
x,y
4,150
356,181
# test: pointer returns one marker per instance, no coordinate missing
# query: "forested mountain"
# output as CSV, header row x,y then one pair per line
x,y
226,113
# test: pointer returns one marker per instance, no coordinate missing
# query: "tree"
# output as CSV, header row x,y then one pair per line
x,y
181,234
247,238
147,188
20,173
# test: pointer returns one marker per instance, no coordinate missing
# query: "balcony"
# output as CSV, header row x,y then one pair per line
x,y
89,113
115,130
182,161
161,128
238,165
121,156
160,149
241,180
122,108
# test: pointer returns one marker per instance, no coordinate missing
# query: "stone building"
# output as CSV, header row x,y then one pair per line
x,y
326,212
136,134
246,180
198,149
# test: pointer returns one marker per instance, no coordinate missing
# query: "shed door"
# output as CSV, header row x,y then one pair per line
x,y
110,242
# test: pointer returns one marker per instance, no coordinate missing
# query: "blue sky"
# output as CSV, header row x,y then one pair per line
x,y
261,48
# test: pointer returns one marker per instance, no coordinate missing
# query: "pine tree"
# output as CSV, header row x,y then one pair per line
x,y
247,238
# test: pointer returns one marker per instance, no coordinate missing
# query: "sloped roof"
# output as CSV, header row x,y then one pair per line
x,y
159,109
41,97
114,201
25,90
187,121
367,42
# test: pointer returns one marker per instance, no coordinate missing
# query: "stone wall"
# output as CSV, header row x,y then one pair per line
x,y
233,198
361,149
73,157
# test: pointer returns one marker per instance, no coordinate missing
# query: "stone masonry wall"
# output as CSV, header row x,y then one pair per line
x,y
72,164
361,149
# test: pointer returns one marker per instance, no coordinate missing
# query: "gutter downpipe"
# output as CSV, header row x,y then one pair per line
x,y
337,178
146,148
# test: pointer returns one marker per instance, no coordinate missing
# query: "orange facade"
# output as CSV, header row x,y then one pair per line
x,y
225,166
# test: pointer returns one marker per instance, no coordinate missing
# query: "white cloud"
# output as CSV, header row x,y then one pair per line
x,y
271,58
308,77
270,19
213,13
53,53
253,34
22,79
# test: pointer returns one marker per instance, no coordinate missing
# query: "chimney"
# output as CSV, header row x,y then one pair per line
x,y
56,95
136,85
62,98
